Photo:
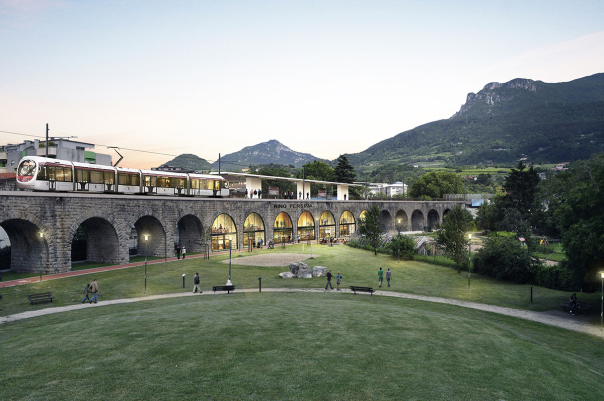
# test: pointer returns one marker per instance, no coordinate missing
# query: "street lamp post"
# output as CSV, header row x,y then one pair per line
x,y
602,310
469,259
146,244
398,228
41,252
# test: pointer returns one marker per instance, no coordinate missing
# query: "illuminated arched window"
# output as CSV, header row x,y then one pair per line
x,y
306,226
347,224
282,228
253,231
224,233
327,225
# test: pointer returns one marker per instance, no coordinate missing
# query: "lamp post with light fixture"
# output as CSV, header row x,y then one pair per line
x,y
469,259
398,228
41,252
146,244
602,310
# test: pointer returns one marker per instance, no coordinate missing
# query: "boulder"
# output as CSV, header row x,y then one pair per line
x,y
319,271
304,272
293,267
287,275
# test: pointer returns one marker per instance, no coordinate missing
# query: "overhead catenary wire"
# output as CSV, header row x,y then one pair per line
x,y
236,163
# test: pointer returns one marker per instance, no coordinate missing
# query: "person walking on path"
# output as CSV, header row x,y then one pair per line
x,y
573,302
380,276
94,288
328,280
338,279
184,252
388,276
177,252
196,283
87,293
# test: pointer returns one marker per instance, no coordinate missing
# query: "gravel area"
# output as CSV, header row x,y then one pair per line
x,y
270,259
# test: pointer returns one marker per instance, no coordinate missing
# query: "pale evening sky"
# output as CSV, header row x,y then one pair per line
x,y
322,77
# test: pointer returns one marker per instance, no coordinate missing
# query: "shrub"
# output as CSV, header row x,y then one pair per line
x,y
5,258
505,259
405,245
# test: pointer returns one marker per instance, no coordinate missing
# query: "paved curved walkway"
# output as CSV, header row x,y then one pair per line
x,y
579,325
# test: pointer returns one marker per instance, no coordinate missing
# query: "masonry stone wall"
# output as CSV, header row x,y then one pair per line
x,y
108,221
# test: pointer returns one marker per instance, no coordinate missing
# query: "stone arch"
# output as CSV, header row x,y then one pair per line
x,y
417,220
386,221
306,226
327,225
253,230
224,233
102,241
190,232
347,224
401,221
282,228
156,242
446,212
29,251
433,219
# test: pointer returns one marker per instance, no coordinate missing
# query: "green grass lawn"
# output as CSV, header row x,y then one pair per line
x,y
358,267
294,346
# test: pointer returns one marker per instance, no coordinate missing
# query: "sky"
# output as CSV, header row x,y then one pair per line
x,y
162,78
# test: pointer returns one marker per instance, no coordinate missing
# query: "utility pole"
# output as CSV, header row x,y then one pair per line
x,y
218,163
46,139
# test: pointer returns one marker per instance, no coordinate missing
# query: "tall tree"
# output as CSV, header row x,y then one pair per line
x,y
520,187
371,227
344,172
578,210
452,234
436,184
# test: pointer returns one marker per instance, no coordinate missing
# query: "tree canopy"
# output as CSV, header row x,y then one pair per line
x,y
436,184
371,227
344,172
452,234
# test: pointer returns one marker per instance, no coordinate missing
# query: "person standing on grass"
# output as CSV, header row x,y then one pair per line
x,y
338,279
87,293
196,282
573,302
388,276
328,280
184,252
380,276
94,288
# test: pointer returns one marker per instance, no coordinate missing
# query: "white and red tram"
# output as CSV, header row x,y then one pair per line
x,y
45,174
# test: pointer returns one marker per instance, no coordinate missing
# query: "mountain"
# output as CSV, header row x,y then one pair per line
x,y
190,162
272,151
522,118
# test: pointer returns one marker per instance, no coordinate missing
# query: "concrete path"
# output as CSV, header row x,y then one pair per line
x,y
550,318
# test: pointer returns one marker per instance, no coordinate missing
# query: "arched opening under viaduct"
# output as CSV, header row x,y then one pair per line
x,y
156,243
386,220
29,250
417,221
190,232
433,219
401,221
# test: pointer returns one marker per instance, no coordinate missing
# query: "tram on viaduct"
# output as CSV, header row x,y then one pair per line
x,y
41,226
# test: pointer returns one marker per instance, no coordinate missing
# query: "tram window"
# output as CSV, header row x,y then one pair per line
x,y
67,173
82,175
194,184
179,182
150,181
59,174
135,179
96,177
43,173
122,179
27,168
52,173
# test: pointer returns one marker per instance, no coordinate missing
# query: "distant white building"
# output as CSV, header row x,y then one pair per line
x,y
390,190
58,148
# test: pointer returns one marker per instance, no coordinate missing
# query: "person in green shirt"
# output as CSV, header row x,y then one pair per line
x,y
380,276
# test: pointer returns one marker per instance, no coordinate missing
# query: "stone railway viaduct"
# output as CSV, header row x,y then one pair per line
x,y
108,221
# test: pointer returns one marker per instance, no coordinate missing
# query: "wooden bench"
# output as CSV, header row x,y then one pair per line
x,y
41,297
581,306
227,288
355,288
